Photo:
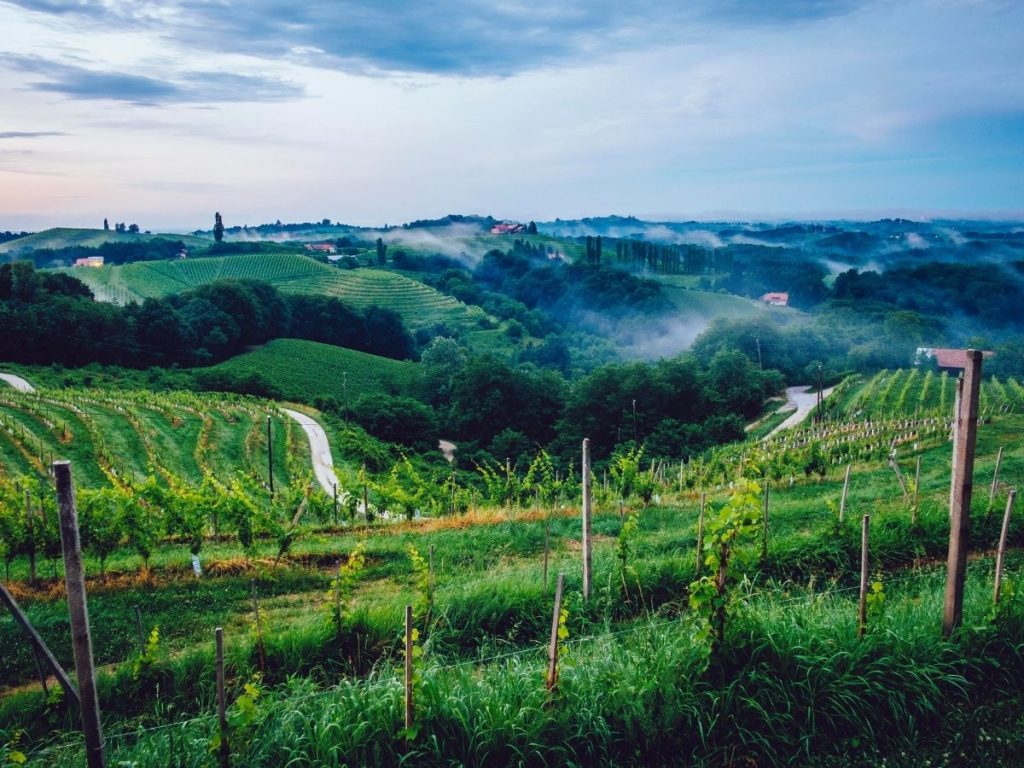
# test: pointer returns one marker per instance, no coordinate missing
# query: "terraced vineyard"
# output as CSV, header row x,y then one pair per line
x,y
418,304
913,392
115,437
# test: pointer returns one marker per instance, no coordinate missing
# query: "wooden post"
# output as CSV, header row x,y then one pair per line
x,y
956,429
408,671
547,551
553,647
995,477
42,652
142,632
1001,549
917,491
30,530
764,527
700,536
335,502
846,489
366,502
430,568
587,554
78,609
224,751
960,499
259,627
270,456
862,613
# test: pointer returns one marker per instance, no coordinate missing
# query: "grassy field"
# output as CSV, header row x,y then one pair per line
x,y
63,237
708,305
305,370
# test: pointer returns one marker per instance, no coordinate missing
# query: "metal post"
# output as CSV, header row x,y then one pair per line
x,y
1001,550
862,613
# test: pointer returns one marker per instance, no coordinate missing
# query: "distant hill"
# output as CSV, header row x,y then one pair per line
x,y
418,304
64,237
306,370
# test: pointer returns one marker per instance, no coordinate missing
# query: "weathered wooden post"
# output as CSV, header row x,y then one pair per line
x,y
862,612
30,530
846,489
764,527
700,536
960,499
81,640
552,680
142,632
408,671
917,490
223,750
587,555
547,552
959,387
335,486
1001,549
995,477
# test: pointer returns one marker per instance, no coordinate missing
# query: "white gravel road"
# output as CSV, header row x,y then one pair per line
x,y
801,400
17,382
323,464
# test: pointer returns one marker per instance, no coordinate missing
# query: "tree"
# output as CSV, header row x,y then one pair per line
x,y
382,251
133,228
531,229
106,225
218,227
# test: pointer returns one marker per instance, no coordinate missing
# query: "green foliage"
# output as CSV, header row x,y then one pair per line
x,y
142,665
423,581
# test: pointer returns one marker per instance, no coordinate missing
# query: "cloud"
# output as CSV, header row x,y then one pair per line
x,y
77,82
455,37
29,134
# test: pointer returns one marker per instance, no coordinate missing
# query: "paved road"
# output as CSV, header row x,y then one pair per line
x,y
323,464
17,382
801,400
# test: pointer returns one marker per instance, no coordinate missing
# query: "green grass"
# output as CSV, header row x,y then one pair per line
x,y
305,370
708,305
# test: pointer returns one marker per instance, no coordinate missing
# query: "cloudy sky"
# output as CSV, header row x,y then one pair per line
x,y
162,112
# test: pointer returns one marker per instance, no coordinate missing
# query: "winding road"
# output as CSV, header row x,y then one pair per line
x,y
801,400
323,464
17,382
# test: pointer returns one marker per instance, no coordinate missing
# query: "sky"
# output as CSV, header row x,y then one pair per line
x,y
160,113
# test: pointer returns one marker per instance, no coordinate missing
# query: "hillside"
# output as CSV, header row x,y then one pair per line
x,y
307,370
418,304
64,237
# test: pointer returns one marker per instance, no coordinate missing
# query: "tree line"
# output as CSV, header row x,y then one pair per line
x,y
52,318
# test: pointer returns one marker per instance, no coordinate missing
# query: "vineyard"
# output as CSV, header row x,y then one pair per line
x,y
655,667
418,304
307,370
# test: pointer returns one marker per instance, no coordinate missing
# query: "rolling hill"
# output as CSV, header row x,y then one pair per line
x,y
65,237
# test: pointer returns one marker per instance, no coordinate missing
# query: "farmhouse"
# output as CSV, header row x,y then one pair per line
x,y
953,360
321,247
89,261
776,299
507,229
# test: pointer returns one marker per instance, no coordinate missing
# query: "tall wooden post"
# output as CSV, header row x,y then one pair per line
x,y
764,527
587,555
260,649
862,612
995,477
335,486
408,671
700,535
81,640
553,647
960,499
959,386
547,553
846,489
917,491
1001,550
224,750
270,456
30,530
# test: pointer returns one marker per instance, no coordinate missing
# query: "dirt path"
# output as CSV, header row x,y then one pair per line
x,y
17,382
323,463
801,400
